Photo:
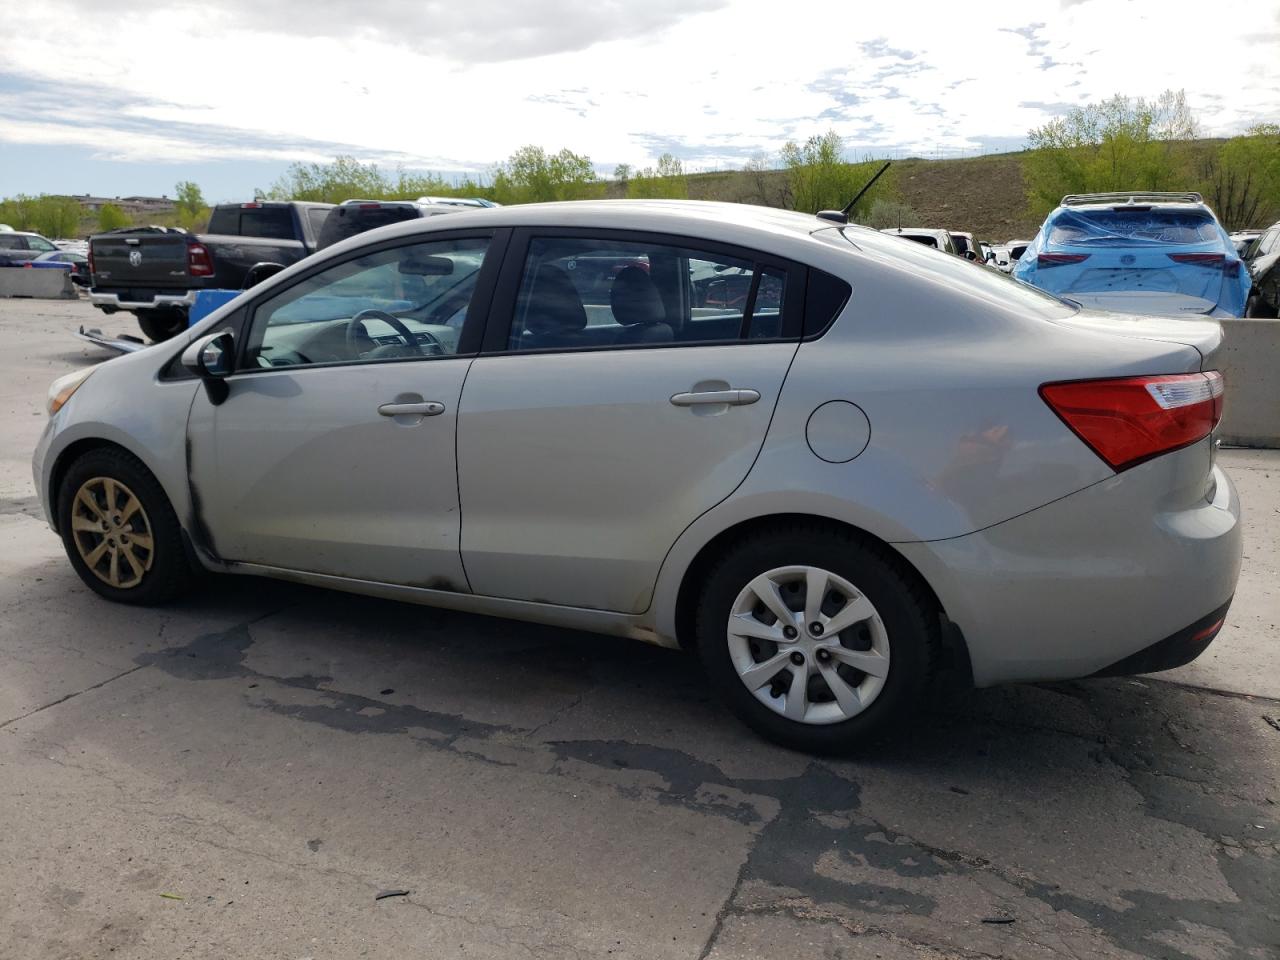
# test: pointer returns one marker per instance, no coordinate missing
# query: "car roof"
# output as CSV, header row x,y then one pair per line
x,y
936,232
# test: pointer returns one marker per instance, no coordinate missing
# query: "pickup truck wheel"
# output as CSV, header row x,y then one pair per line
x,y
161,325
1257,308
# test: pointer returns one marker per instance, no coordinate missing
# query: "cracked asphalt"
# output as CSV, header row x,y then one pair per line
x,y
239,775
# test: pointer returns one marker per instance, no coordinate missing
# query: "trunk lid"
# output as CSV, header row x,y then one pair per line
x,y
1205,336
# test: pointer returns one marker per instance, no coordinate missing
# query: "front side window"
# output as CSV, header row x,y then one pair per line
x,y
40,243
407,302
582,292
268,223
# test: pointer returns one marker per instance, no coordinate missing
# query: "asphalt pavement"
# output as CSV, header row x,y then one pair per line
x,y
242,774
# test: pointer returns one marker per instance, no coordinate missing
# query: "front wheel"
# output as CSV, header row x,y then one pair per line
x,y
818,640
119,529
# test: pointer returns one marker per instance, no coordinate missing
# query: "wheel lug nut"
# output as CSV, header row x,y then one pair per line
x,y
797,658
815,628
790,632
824,655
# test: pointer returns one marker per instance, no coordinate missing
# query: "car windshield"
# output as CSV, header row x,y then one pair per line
x,y
1139,227
344,222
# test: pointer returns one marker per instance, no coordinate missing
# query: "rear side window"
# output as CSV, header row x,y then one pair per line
x,y
824,298
1132,227
316,217
344,222
581,293
11,242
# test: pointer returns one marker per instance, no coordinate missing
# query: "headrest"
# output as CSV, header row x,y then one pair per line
x,y
635,299
553,303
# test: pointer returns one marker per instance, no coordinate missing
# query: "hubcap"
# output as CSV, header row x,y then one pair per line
x,y
808,644
112,533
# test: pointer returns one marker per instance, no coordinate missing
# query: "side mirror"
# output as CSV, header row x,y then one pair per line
x,y
259,272
970,255
212,359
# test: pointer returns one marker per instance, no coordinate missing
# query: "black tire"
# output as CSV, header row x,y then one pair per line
x,y
161,325
168,572
905,607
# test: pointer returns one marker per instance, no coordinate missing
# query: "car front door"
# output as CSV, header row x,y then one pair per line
x,y
625,388
333,451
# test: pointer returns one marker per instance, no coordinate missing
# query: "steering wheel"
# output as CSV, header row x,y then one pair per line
x,y
356,330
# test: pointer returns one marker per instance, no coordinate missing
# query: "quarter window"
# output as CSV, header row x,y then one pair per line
x,y
580,293
407,302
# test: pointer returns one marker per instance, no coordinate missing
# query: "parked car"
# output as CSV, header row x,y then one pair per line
x,y
354,217
155,272
459,201
78,263
967,247
19,246
937,239
1015,249
1264,274
1243,239
1151,253
895,464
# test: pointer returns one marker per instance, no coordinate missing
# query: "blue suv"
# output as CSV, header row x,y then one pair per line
x,y
1150,253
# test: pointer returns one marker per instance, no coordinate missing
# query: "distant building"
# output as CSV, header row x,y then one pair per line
x,y
127,204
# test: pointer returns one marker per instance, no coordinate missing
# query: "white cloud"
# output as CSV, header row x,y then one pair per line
x,y
448,85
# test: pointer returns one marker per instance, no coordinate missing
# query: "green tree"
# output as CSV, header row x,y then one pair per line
x,y
1123,143
111,217
531,175
1240,178
667,181
622,173
57,217
346,178
821,179
19,212
885,212
189,206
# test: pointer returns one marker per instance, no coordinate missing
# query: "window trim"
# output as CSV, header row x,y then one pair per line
x,y
469,340
502,310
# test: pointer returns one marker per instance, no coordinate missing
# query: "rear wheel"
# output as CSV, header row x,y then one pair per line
x,y
816,639
161,325
1258,308
119,529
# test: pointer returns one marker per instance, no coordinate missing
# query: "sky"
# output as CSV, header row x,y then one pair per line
x,y
115,99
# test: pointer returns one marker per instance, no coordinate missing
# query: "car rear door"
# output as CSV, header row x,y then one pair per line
x,y
333,452
620,395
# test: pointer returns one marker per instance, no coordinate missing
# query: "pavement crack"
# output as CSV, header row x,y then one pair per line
x,y
726,908
71,696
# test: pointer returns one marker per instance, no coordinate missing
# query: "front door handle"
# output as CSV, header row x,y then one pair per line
x,y
425,408
734,398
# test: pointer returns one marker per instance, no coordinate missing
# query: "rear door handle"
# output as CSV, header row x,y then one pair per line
x,y
426,408
734,398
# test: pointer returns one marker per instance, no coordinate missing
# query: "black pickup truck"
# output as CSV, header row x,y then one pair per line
x,y
155,272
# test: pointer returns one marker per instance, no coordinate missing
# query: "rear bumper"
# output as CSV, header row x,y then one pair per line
x,y
157,302
1086,583
1174,650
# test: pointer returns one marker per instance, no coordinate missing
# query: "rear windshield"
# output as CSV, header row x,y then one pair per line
x,y
927,240
344,222
1132,227
270,223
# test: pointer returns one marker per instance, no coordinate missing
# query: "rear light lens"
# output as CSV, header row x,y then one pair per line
x,y
1203,259
90,260
1133,419
199,262
1058,259
250,206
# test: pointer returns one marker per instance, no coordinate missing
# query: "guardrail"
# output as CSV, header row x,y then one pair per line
x,y
1250,361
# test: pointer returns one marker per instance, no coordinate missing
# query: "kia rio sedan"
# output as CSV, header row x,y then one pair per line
x,y
831,463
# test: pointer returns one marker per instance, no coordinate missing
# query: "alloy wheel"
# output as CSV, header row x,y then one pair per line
x,y
112,532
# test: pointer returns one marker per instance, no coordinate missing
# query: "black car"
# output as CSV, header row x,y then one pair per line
x,y
1263,260
356,216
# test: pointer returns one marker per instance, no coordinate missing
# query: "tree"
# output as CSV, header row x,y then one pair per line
x,y
111,217
531,175
346,178
821,179
57,217
766,186
622,173
667,181
1240,178
1123,143
189,205
889,213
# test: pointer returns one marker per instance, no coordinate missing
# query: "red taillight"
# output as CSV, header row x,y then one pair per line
x,y
90,261
1201,259
1057,259
199,263
1133,419
250,206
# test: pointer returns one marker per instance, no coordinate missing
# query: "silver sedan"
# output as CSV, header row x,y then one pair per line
x,y
836,465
